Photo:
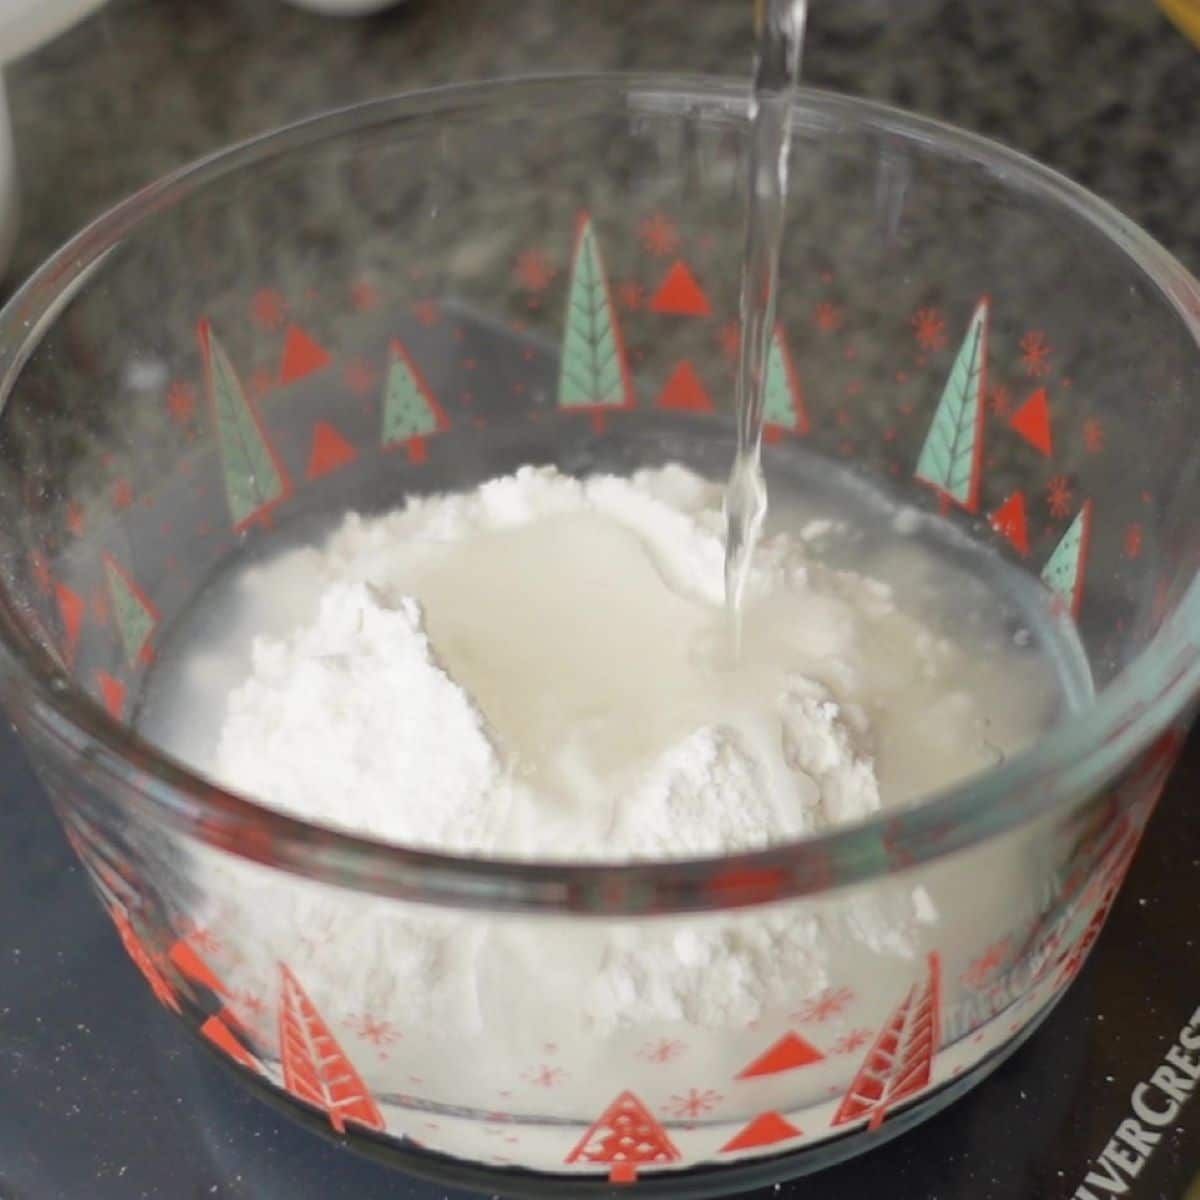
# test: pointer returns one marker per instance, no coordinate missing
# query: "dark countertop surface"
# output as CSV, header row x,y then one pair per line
x,y
1104,90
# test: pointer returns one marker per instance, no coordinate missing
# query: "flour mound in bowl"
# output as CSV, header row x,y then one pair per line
x,y
541,668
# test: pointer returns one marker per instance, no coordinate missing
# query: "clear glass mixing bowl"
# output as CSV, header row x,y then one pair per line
x,y
372,304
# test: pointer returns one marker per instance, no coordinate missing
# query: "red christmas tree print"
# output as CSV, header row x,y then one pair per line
x,y
330,451
1011,522
984,968
625,1136
190,965
410,414
143,960
1093,435
1132,543
788,1054
900,1063
684,392
302,355
1032,422
315,1068
680,294
765,1130
1078,955
255,481
218,1032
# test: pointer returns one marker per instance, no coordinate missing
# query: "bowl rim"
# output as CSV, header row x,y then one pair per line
x,y
1080,755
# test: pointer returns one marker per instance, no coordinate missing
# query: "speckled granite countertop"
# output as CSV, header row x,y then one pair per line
x,y
1104,90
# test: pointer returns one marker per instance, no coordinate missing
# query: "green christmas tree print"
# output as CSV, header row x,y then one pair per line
x,y
953,448
410,413
1064,571
592,374
254,479
783,399
135,616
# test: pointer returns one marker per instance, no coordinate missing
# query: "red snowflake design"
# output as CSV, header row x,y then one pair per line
x,y
268,308
202,938
988,963
253,1006
822,1007
1035,353
730,338
534,271
848,1043
1093,435
181,400
929,328
659,235
1132,543
427,312
372,1029
631,294
261,382
695,1102
662,1051
122,494
1000,401
364,296
359,377
829,317
1059,496
544,1076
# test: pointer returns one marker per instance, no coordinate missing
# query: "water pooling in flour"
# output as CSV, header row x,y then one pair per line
x,y
781,38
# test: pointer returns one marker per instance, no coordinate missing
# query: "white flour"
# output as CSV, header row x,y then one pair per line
x,y
537,668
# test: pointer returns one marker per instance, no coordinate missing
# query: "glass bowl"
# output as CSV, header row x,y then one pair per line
x,y
207,368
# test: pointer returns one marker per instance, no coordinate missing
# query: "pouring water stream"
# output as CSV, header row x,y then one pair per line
x,y
777,68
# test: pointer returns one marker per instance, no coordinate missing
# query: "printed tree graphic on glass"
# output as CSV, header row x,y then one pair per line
x,y
315,1068
1065,570
953,449
783,398
410,413
255,482
899,1064
624,1137
593,376
136,617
